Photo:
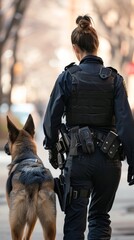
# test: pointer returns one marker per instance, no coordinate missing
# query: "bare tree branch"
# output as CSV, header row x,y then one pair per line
x,y
9,29
114,20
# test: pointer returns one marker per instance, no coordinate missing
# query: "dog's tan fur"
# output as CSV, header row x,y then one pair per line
x,y
27,202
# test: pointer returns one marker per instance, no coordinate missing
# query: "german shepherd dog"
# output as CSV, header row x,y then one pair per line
x,y
30,186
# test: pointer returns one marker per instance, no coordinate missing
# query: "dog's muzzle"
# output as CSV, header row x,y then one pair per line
x,y
6,149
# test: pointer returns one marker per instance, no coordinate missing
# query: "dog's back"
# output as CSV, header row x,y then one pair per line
x,y
30,186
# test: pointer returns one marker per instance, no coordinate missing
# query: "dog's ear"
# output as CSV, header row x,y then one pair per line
x,y
29,126
13,130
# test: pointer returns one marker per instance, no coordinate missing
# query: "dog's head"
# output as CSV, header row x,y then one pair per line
x,y
19,137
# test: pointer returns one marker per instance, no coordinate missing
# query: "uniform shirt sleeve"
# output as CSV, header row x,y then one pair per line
x,y
124,119
55,109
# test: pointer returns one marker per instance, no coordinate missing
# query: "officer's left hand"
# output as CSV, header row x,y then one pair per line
x,y
130,176
53,157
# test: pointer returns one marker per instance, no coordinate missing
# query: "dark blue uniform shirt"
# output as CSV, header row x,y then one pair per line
x,y
61,93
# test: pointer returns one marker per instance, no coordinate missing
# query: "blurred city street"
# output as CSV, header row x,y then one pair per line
x,y
122,214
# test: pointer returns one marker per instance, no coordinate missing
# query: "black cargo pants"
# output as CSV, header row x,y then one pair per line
x,y
101,175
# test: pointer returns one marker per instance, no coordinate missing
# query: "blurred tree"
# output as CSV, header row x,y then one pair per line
x,y
116,24
11,15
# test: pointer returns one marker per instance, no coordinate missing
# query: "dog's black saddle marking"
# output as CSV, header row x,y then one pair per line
x,y
32,171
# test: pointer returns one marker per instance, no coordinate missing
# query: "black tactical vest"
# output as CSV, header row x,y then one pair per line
x,y
92,99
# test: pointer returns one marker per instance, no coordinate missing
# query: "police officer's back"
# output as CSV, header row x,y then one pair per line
x,y
101,130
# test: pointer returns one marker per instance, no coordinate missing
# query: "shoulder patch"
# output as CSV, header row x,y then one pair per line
x,y
68,66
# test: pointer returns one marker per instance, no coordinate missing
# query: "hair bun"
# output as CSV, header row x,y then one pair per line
x,y
84,22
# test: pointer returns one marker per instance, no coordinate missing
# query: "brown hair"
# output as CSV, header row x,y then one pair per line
x,y
85,35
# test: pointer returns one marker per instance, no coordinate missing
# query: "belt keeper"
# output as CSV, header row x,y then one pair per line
x,y
75,194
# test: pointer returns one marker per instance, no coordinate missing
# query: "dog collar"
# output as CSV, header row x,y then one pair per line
x,y
13,165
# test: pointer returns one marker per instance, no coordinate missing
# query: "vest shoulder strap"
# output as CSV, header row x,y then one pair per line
x,y
69,65
114,71
106,72
72,68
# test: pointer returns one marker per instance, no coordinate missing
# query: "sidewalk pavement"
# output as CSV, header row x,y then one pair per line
x,y
122,213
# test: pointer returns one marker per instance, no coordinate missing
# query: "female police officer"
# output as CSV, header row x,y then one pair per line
x,y
94,100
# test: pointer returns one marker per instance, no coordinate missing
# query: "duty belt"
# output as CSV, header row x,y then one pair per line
x,y
109,143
